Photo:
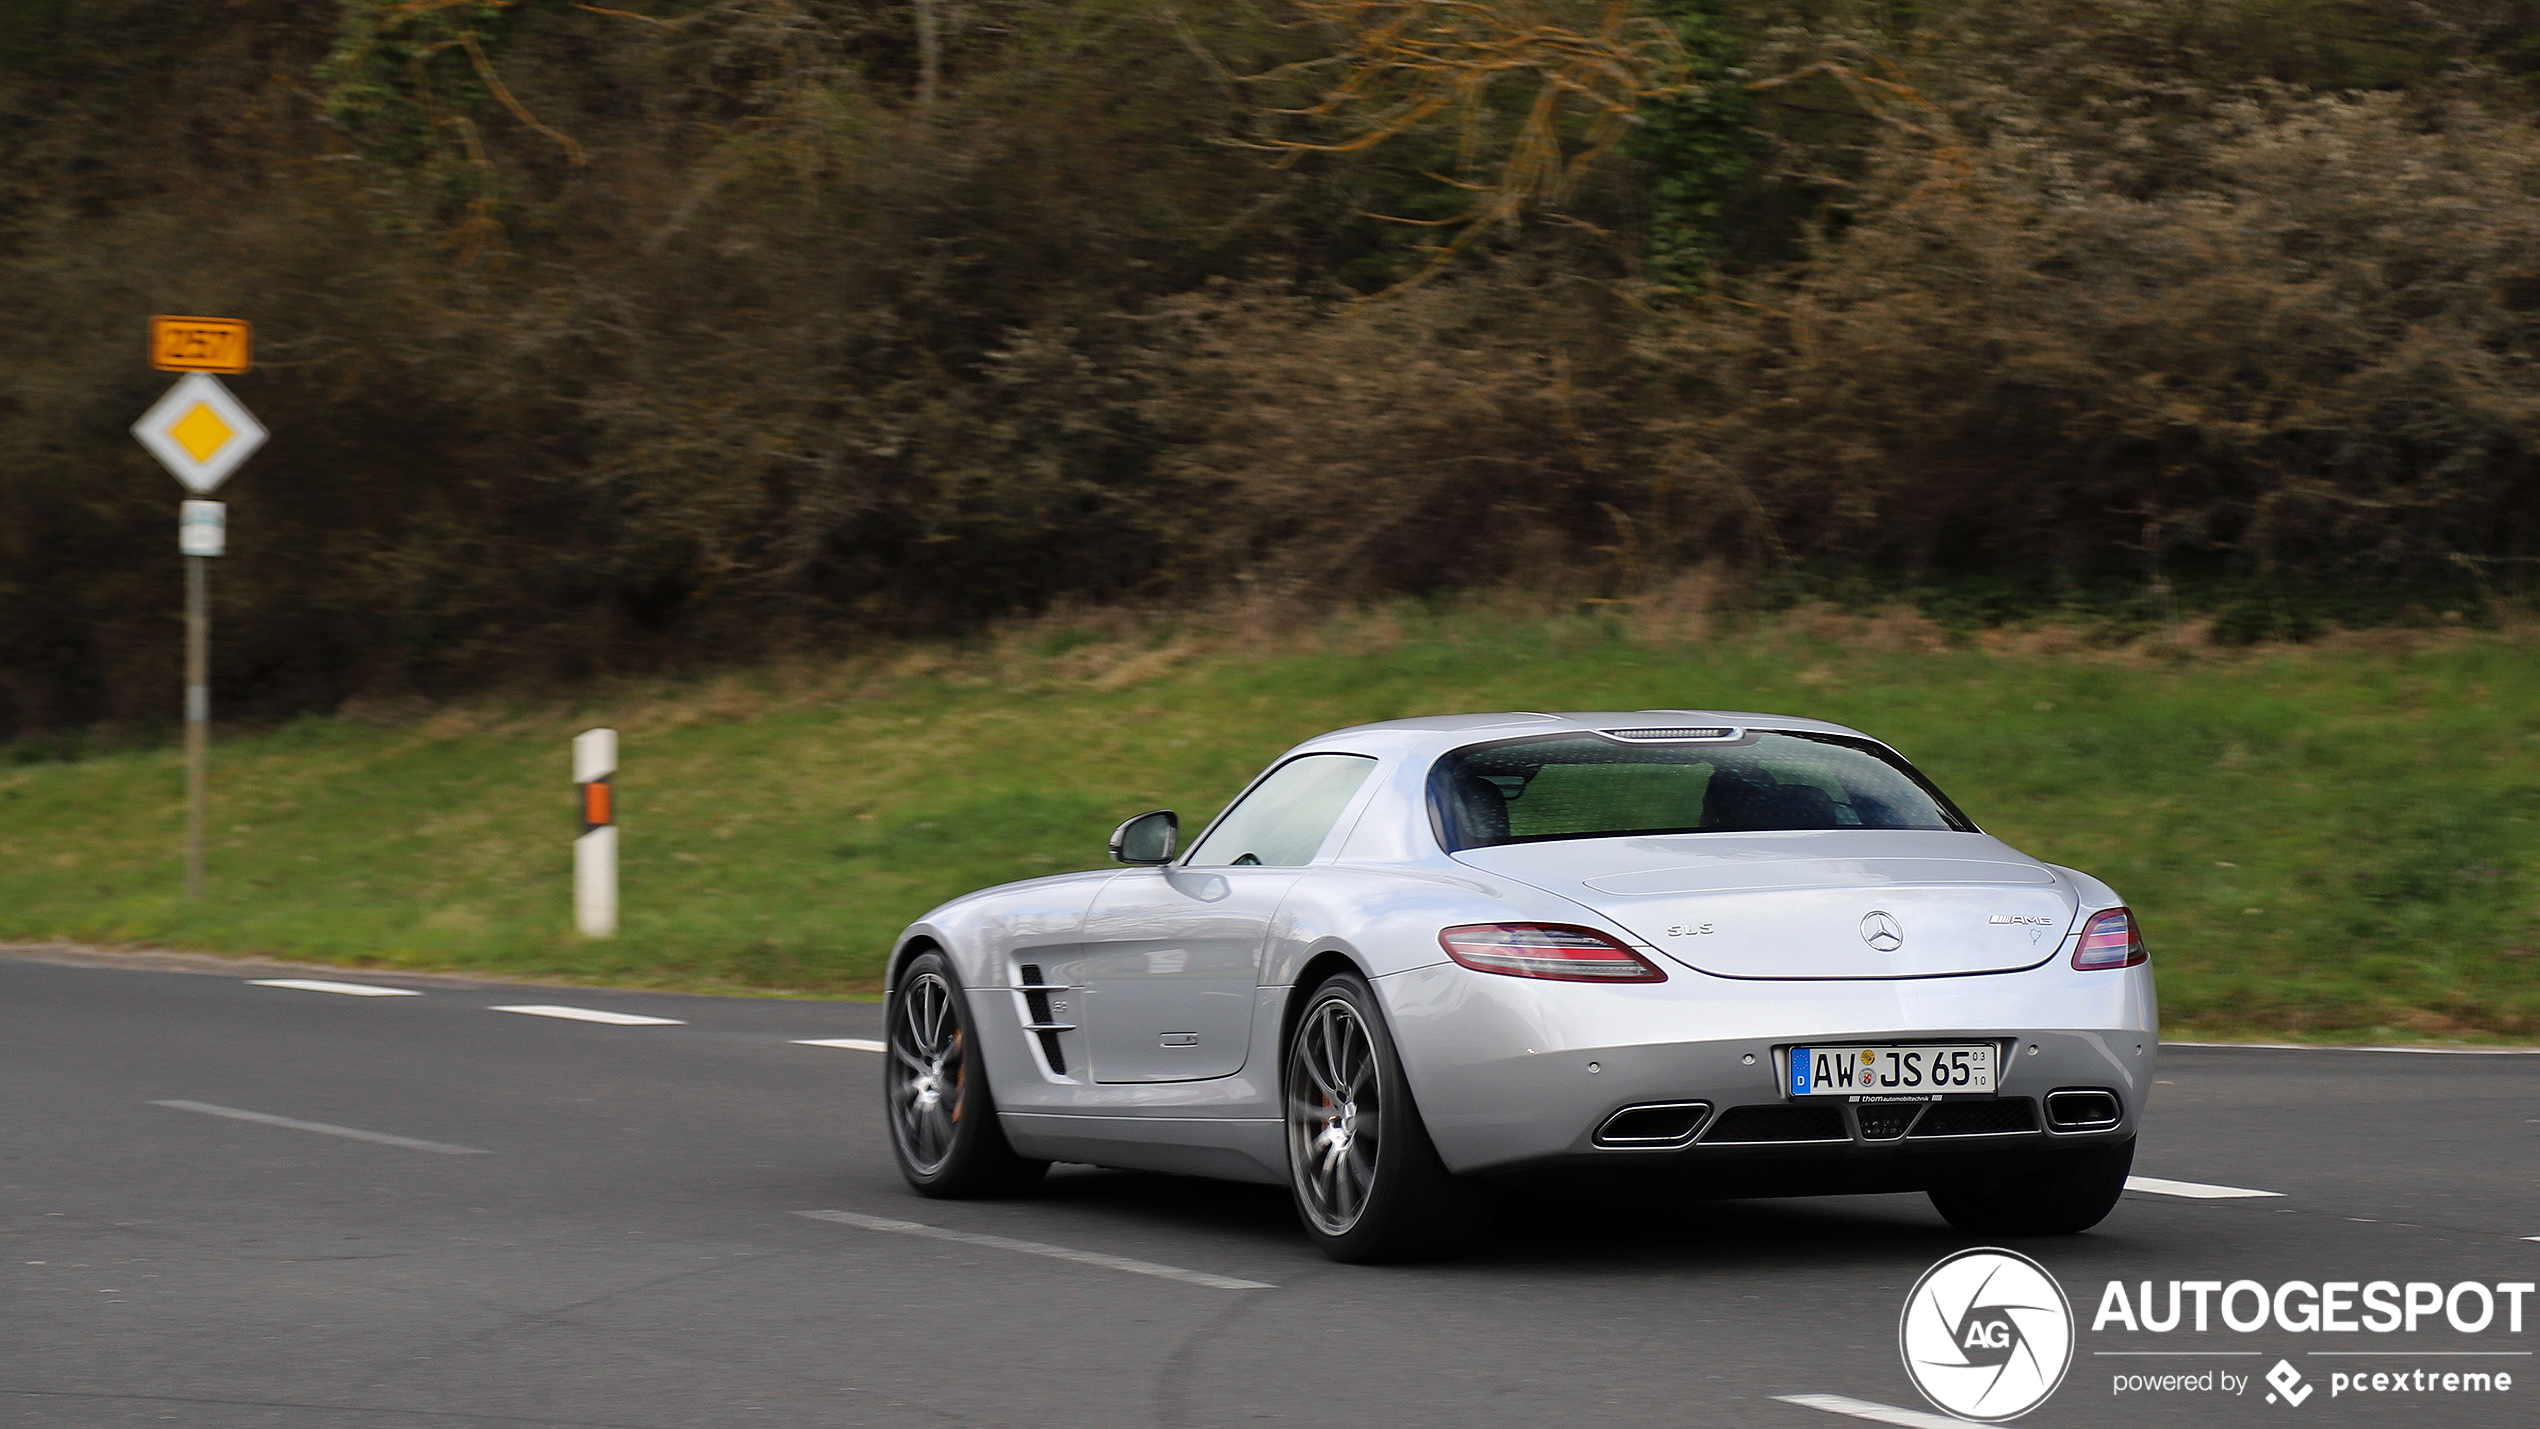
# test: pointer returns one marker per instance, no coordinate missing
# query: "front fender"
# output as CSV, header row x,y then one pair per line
x,y
977,930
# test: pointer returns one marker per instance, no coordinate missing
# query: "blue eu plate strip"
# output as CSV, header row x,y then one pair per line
x,y
1799,1071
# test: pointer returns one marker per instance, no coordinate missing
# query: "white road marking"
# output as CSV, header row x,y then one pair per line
x,y
852,1044
324,1129
2329,1047
1034,1247
350,989
2193,1190
593,1014
1875,1412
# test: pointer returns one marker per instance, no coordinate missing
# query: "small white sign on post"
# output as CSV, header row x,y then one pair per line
x,y
595,849
202,528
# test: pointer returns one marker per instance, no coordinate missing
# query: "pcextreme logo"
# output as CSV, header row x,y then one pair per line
x,y
1986,1335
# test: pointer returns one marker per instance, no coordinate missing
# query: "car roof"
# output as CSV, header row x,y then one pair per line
x,y
1435,734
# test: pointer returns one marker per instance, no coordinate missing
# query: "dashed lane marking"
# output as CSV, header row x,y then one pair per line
x,y
349,989
2193,1190
852,1044
1873,1411
593,1014
1034,1247
350,1133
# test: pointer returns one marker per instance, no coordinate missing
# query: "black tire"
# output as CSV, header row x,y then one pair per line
x,y
1397,1202
2068,1195
935,1097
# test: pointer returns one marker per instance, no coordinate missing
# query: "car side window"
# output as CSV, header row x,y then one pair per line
x,y
1283,822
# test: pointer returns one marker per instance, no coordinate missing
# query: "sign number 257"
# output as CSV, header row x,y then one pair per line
x,y
201,344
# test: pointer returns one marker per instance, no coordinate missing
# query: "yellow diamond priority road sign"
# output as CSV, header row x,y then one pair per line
x,y
199,432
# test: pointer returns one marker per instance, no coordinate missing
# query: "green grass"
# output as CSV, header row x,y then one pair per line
x,y
2334,840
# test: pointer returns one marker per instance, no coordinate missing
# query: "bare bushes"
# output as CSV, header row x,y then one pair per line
x,y
2075,301
792,354
2022,354
1458,434
2311,346
784,363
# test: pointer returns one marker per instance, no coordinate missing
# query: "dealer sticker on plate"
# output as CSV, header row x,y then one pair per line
x,y
1892,1073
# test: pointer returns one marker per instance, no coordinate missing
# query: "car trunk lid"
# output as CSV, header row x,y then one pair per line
x,y
1815,904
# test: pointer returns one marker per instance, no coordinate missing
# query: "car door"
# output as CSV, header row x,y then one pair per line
x,y
1172,955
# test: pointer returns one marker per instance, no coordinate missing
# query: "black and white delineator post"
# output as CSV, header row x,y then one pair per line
x,y
595,850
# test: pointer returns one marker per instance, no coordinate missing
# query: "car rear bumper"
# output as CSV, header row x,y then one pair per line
x,y
1513,1074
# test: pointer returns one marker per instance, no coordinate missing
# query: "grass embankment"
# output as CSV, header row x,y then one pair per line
x,y
2332,841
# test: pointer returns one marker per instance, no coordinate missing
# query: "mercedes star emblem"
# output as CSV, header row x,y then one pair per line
x,y
1881,931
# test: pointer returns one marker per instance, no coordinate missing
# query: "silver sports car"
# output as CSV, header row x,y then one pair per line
x,y
1760,954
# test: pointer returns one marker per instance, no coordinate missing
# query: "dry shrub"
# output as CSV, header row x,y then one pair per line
x,y
795,359
1459,434
1680,612
2296,328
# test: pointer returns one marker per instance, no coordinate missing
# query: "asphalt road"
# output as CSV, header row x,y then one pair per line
x,y
575,1223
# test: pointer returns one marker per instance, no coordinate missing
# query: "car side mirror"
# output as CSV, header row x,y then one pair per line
x,y
1149,838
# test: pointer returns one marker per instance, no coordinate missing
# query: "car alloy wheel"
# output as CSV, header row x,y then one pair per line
x,y
1367,1180
935,1092
1335,1121
927,1073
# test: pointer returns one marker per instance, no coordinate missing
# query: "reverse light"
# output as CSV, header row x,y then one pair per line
x,y
1557,951
2110,940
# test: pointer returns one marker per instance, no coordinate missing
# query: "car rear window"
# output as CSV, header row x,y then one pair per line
x,y
1587,786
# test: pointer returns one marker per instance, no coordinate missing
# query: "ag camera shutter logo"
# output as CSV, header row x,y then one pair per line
x,y
1986,1335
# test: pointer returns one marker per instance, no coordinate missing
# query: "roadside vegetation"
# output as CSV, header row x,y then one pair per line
x,y
2172,362
600,338
2334,841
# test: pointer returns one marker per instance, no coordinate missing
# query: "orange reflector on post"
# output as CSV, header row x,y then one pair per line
x,y
595,804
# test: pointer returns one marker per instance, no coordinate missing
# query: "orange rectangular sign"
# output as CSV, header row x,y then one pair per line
x,y
201,344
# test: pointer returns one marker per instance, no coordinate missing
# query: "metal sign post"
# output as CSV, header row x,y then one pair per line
x,y
201,533
200,433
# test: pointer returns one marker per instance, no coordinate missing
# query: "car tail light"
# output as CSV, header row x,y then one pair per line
x,y
1547,950
2110,940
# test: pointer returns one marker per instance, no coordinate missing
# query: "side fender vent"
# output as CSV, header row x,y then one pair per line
x,y
1044,1025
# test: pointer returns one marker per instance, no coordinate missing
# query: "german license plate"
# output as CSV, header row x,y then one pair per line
x,y
1892,1073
